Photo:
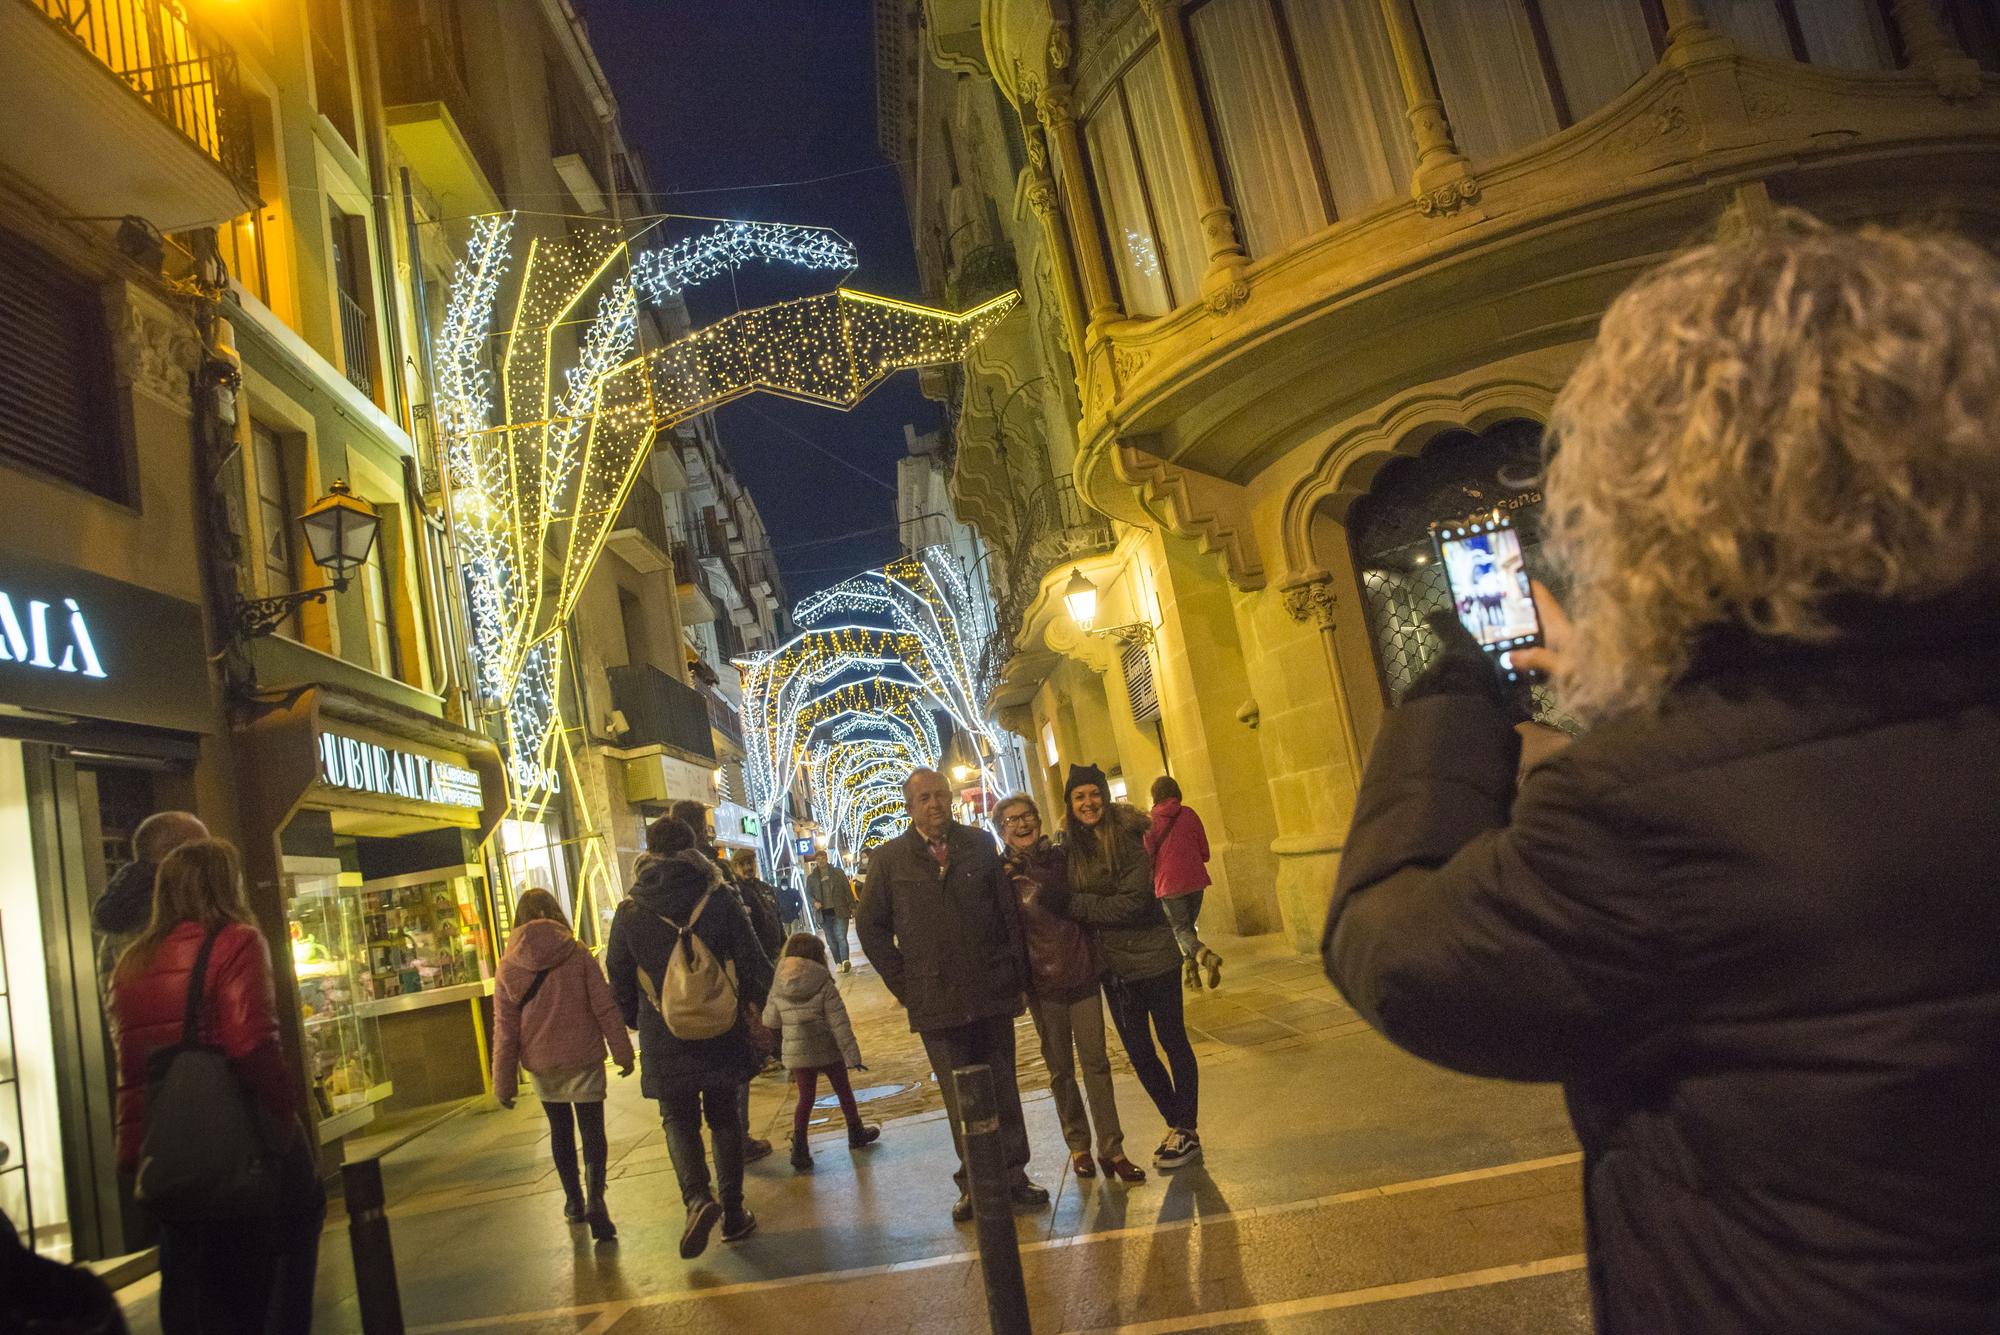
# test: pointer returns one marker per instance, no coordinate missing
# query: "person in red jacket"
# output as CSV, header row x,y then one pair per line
x,y
232,1274
554,1014
1179,848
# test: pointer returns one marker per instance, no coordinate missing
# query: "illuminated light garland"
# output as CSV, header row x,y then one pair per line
x,y
659,274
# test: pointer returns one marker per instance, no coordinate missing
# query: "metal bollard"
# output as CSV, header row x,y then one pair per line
x,y
374,1257
992,1206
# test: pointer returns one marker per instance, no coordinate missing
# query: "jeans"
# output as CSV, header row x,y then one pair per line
x,y
989,1041
690,1100
1156,1001
1182,910
807,1080
566,1121
835,931
247,1276
1072,1034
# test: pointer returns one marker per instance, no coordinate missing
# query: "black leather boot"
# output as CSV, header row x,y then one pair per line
x,y
572,1189
595,1214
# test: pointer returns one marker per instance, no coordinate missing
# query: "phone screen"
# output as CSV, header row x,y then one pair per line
x,y
1489,586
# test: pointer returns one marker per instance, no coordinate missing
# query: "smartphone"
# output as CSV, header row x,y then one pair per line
x,y
1488,583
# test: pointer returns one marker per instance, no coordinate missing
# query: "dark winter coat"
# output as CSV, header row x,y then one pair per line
x,y
640,939
760,902
122,912
1118,904
1755,936
806,1005
791,904
946,939
1063,963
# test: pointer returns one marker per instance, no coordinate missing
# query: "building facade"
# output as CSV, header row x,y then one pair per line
x,y
1305,277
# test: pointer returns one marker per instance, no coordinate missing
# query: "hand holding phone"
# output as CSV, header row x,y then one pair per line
x,y
1487,579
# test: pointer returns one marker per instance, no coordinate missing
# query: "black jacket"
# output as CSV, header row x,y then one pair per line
x,y
760,903
122,912
1120,909
641,940
1757,937
947,941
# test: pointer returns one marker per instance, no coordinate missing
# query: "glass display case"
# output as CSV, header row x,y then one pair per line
x,y
421,933
343,1049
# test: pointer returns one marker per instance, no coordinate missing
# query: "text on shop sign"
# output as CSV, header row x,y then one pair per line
x,y
35,641
368,768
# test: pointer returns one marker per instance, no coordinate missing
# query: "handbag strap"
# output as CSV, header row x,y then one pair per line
x,y
541,976
191,1018
1172,821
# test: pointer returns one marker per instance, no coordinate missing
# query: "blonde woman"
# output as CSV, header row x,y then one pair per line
x,y
217,1274
1749,917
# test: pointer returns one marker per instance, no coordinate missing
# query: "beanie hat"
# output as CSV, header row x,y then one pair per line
x,y
1079,775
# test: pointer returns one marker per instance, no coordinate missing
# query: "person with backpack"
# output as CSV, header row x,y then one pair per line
x,y
818,1040
683,964
554,1014
238,1247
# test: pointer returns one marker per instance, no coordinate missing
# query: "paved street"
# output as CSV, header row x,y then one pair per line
x,y
1346,1187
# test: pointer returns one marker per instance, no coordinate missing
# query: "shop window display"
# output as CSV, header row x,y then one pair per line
x,y
421,937
343,1051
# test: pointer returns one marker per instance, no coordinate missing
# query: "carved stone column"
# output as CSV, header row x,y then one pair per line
x,y
1444,180
1047,204
1056,108
1222,281
1933,51
1314,603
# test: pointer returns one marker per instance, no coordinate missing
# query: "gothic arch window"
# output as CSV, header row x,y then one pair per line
x,y
1458,473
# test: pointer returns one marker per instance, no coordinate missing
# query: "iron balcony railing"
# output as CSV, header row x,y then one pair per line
x,y
661,711
1056,527
357,336
417,67
722,717
183,74
644,513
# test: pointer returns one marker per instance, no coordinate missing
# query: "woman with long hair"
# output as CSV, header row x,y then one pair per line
x,y
554,1014
1748,917
1110,891
1064,971
231,1275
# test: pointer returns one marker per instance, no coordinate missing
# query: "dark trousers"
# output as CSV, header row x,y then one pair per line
x,y
1182,911
566,1122
989,1041
714,1098
247,1276
807,1079
834,929
1156,1003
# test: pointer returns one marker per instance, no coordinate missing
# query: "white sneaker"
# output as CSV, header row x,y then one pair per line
x,y
1180,1149
845,967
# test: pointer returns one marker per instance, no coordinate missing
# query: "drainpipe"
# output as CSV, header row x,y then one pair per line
x,y
378,191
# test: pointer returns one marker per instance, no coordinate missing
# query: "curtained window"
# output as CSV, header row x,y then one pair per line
x,y
1274,182
1489,71
1355,98
1599,49
1842,34
1141,170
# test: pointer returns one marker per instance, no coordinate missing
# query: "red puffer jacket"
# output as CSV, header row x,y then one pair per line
x,y
239,1014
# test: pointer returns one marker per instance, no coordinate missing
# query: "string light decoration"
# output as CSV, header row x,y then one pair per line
x,y
539,465
660,274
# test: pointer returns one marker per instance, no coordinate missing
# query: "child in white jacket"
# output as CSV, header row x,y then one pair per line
x,y
818,1040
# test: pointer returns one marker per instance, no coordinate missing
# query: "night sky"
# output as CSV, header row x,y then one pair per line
x,y
729,101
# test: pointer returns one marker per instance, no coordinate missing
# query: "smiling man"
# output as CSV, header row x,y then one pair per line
x,y
939,924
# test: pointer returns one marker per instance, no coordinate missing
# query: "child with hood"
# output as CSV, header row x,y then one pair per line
x,y
554,1014
818,1040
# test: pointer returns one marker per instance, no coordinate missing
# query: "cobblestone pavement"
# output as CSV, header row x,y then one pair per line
x,y
1346,1187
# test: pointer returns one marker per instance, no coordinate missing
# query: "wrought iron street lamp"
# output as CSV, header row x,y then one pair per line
x,y
1080,596
340,532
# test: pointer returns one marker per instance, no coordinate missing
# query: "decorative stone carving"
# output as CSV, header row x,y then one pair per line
x,y
1042,197
156,353
1766,104
1668,121
1056,105
1226,297
1129,361
1028,84
1191,504
1059,48
1448,198
1312,602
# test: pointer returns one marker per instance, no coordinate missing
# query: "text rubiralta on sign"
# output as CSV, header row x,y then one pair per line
x,y
366,767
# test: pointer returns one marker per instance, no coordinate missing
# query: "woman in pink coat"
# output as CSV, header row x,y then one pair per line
x,y
1179,846
554,1014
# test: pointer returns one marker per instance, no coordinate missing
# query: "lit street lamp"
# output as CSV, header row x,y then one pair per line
x,y
1080,597
340,531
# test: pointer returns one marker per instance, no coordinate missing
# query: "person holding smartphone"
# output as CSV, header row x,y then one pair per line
x,y
1748,917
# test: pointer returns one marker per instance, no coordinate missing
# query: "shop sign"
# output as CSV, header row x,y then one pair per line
x,y
751,825
365,767
73,642
803,847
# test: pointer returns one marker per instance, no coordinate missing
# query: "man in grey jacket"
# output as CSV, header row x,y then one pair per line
x,y
833,896
939,923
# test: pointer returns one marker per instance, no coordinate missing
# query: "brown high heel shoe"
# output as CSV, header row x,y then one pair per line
x,y
1124,1169
1080,1164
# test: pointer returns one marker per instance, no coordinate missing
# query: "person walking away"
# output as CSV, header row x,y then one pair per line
x,y
818,1040
1178,845
250,1274
760,901
1111,892
554,1014
126,906
833,896
940,926
1064,970
1748,917
678,905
